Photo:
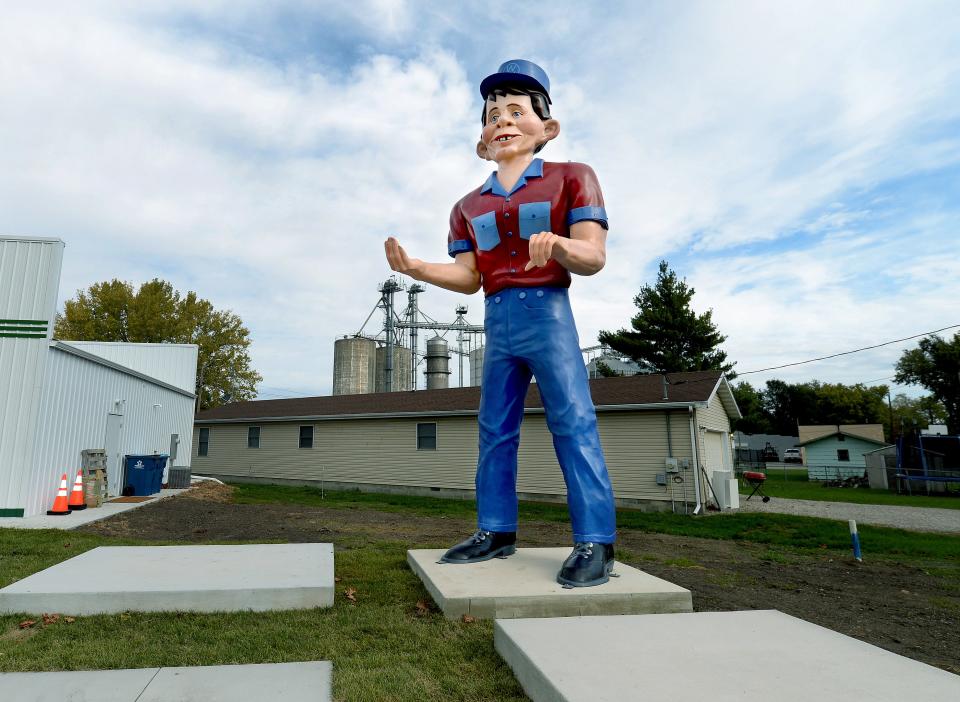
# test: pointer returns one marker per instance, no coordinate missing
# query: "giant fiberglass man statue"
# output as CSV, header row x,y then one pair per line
x,y
519,236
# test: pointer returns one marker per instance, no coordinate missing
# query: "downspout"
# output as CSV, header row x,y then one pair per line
x,y
696,463
673,502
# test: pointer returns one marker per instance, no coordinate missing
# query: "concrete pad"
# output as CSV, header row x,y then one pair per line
x,y
76,686
179,578
720,656
291,682
525,585
84,516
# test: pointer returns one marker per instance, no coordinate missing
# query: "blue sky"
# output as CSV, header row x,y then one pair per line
x,y
798,164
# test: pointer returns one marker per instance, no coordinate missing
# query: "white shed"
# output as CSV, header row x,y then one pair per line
x,y
58,398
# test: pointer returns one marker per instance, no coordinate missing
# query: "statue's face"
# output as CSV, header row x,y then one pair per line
x,y
513,128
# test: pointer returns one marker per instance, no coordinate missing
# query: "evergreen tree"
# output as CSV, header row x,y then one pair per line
x,y
668,336
156,313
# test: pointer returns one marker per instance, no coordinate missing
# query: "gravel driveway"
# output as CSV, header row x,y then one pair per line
x,y
913,518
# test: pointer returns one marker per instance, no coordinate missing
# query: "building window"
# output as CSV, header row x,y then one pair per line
x,y
253,437
427,437
843,455
203,442
306,437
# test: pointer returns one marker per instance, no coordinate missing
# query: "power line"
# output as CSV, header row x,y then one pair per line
x,y
847,353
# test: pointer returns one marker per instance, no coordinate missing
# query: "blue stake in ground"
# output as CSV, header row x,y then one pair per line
x,y
855,540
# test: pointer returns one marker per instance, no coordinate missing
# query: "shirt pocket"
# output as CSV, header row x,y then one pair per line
x,y
485,231
534,218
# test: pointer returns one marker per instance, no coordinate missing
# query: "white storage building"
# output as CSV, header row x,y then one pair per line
x,y
58,398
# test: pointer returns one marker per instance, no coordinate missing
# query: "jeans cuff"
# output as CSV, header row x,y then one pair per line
x,y
490,526
595,538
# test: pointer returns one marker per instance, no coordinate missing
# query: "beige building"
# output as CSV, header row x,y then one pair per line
x,y
663,441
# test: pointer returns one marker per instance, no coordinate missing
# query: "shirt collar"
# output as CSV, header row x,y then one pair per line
x,y
534,170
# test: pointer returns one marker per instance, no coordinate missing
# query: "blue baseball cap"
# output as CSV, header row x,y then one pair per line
x,y
517,72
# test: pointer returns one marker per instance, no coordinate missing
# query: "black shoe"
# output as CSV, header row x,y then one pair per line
x,y
482,546
589,564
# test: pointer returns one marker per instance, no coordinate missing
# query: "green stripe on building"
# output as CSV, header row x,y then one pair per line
x,y
23,329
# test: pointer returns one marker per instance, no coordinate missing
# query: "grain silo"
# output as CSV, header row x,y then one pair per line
x,y
438,364
354,365
476,366
402,369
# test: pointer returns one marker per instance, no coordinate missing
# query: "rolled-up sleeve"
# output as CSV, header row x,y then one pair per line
x,y
585,199
458,239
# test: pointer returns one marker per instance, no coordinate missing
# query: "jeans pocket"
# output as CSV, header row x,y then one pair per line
x,y
485,231
534,218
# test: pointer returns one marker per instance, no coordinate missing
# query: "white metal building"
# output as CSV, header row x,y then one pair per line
x,y
60,397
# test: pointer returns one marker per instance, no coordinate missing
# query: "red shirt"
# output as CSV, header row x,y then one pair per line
x,y
496,225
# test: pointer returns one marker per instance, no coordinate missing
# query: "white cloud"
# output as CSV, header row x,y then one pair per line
x,y
155,146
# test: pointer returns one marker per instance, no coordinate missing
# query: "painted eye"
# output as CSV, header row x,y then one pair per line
x,y
517,113
494,118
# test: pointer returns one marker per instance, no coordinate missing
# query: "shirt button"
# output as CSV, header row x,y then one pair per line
x,y
539,293
513,270
497,300
507,200
506,215
509,233
523,295
513,253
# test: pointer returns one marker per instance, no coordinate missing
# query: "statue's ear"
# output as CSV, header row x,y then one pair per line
x,y
482,151
551,129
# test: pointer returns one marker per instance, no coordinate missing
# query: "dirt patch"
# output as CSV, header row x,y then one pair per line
x,y
906,608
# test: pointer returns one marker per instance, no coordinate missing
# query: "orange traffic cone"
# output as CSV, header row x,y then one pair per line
x,y
77,499
60,505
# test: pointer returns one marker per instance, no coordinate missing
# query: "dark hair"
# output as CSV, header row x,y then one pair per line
x,y
539,101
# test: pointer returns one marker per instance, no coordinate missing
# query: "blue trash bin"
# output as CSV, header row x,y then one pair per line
x,y
144,474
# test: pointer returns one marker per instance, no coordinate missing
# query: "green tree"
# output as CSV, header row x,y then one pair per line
x,y
605,371
935,364
668,336
756,419
918,411
156,313
791,404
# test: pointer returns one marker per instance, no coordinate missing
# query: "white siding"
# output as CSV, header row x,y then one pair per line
x,y
77,395
175,364
29,278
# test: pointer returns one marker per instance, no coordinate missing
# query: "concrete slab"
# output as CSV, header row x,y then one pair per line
x,y
179,578
76,686
524,585
291,682
86,516
721,656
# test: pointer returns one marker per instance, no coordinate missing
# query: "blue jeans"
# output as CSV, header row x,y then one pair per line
x,y
531,332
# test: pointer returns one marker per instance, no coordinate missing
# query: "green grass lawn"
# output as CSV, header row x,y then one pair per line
x,y
382,646
795,485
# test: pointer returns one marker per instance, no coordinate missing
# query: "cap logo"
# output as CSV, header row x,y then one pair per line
x,y
511,68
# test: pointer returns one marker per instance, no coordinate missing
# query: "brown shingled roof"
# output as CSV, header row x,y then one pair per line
x,y
683,388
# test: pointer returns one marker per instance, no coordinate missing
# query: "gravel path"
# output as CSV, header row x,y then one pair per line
x,y
913,518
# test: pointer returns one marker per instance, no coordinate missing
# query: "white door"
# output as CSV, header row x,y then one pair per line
x,y
714,459
111,444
